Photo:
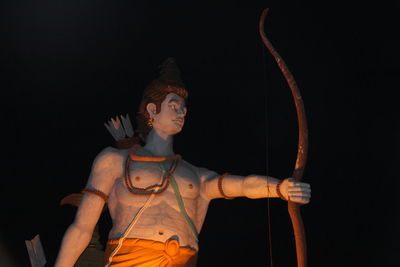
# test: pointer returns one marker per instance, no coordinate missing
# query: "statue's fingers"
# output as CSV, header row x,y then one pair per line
x,y
299,189
299,194
291,182
301,184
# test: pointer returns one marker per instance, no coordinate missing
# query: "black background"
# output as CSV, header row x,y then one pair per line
x,y
68,66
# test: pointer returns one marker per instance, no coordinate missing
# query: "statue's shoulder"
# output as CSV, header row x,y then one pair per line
x,y
189,166
111,155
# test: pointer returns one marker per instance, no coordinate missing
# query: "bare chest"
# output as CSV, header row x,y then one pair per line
x,y
147,175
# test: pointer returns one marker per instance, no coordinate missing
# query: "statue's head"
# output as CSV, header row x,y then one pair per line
x,y
163,101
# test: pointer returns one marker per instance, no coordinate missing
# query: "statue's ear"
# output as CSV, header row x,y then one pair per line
x,y
151,109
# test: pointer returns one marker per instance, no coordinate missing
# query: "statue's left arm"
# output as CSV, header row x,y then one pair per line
x,y
256,186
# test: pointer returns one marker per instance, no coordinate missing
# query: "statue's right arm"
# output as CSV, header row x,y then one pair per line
x,y
107,166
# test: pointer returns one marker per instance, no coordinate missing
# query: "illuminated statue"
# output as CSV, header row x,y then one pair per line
x,y
157,200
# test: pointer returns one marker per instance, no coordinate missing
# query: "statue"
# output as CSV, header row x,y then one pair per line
x,y
156,199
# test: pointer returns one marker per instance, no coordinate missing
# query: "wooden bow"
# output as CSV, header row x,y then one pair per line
x,y
294,208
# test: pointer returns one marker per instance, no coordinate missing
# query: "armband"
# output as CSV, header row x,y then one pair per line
x,y
96,192
278,191
221,191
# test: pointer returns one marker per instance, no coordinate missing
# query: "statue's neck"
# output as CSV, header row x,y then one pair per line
x,y
159,144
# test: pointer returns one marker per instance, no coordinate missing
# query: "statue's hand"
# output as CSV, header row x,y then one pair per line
x,y
295,191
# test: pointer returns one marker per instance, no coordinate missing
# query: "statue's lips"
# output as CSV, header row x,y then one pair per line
x,y
179,121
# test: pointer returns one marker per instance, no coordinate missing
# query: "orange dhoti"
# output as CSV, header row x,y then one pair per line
x,y
148,253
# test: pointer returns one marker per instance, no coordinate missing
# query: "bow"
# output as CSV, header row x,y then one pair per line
x,y
293,208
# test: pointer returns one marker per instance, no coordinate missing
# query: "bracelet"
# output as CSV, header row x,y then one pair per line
x,y
278,191
220,186
96,192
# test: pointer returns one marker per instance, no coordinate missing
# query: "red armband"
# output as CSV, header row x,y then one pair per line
x,y
278,190
96,192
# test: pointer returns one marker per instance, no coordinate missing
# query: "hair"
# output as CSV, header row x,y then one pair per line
x,y
156,92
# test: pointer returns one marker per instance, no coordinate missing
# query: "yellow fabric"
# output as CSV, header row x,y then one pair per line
x,y
147,253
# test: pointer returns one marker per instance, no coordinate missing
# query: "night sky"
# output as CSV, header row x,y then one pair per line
x,y
69,66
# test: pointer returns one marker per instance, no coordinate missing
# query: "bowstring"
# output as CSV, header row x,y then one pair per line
x,y
266,98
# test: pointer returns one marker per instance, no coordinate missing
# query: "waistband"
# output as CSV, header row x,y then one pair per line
x,y
171,246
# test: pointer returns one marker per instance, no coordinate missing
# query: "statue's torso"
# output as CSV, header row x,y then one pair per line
x,y
162,219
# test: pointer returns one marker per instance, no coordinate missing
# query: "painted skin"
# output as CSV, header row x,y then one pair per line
x,y
162,220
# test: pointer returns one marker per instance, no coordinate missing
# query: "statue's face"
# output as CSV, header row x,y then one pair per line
x,y
171,118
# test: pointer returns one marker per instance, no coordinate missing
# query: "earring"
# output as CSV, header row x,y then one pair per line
x,y
150,122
